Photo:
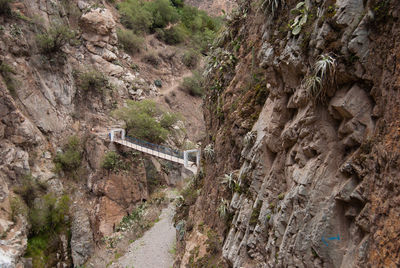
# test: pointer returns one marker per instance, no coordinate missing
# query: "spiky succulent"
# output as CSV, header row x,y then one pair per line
x,y
229,180
209,152
249,138
322,77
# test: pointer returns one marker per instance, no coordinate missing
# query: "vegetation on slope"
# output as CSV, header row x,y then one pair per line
x,y
47,216
172,21
146,120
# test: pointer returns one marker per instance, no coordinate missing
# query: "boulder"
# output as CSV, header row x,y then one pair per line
x,y
99,26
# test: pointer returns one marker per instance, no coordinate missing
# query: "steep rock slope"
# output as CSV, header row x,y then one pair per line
x,y
42,103
312,164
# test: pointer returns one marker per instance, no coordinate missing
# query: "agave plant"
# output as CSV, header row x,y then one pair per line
x,y
229,179
223,208
209,151
250,137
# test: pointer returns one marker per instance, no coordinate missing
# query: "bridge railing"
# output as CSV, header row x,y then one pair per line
x,y
156,147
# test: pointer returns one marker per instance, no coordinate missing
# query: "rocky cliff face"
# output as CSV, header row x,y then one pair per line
x,y
41,105
312,158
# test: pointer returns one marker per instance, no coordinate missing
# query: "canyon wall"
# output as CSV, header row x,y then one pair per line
x,y
42,105
300,162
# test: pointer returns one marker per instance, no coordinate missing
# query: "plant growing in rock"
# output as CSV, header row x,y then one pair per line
x,y
54,38
91,80
71,158
223,208
113,162
229,180
302,10
209,152
321,78
325,68
249,138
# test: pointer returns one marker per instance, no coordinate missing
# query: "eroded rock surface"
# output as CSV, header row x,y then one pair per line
x,y
307,170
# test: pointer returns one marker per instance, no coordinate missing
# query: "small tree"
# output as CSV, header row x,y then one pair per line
x,y
54,39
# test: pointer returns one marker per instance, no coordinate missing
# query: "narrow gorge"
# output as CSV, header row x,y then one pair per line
x,y
294,106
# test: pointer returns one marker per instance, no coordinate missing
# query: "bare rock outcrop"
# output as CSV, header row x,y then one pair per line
x,y
82,242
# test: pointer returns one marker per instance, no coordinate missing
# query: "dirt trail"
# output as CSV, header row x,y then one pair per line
x,y
153,249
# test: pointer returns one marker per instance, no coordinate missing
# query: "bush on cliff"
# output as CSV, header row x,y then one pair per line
x,y
91,80
52,40
70,159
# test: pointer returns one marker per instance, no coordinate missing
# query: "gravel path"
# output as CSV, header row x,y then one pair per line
x,y
153,249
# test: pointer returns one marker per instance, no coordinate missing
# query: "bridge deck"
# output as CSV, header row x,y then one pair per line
x,y
191,165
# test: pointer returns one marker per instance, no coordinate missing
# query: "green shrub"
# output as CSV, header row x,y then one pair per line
x,y
142,120
91,80
18,207
48,213
71,158
191,58
163,13
148,16
54,39
193,85
5,8
113,162
168,120
36,248
202,27
130,42
142,16
171,36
